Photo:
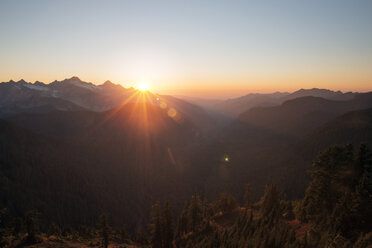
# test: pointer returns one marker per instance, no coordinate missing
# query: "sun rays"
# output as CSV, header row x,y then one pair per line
x,y
148,116
147,112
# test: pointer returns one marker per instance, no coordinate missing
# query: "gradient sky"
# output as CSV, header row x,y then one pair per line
x,y
201,48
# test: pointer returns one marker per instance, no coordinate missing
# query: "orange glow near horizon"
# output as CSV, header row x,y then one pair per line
x,y
223,87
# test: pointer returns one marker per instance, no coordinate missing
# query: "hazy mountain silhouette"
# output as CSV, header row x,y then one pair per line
x,y
324,93
235,106
203,102
299,116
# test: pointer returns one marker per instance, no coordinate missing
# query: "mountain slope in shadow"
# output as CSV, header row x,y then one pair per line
x,y
235,106
119,161
351,128
299,116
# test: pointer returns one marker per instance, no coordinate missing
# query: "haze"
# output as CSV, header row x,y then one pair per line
x,y
191,47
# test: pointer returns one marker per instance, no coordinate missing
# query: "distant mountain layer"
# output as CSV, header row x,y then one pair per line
x,y
299,116
235,106
324,93
21,96
67,95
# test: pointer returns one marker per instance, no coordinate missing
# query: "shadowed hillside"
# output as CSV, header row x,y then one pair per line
x,y
302,115
354,127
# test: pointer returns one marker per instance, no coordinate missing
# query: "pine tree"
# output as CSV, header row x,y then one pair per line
x,y
247,196
270,202
54,230
17,226
3,241
32,227
364,241
156,226
289,215
140,236
195,212
216,242
123,235
168,228
363,163
338,199
182,226
105,230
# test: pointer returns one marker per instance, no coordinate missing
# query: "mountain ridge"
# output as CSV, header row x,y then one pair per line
x,y
73,90
235,106
301,115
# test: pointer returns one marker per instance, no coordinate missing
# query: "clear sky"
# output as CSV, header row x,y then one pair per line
x,y
202,48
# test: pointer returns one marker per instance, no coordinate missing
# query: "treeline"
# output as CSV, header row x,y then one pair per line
x,y
336,211
28,230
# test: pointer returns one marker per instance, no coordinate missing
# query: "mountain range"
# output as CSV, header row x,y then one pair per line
x,y
300,115
235,106
67,95
73,150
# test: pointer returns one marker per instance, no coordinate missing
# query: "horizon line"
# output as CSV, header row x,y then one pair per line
x,y
198,93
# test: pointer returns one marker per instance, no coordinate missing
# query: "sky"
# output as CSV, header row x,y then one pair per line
x,y
214,49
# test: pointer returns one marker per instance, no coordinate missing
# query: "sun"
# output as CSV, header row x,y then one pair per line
x,y
143,86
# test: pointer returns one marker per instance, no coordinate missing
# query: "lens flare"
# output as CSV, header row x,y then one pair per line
x,y
172,112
